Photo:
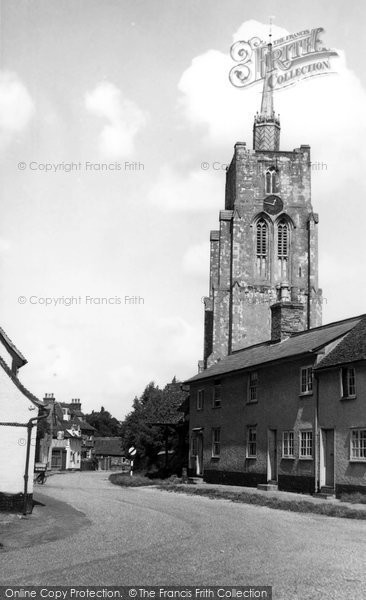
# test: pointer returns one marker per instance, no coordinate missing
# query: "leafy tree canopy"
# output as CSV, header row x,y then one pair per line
x,y
104,423
145,426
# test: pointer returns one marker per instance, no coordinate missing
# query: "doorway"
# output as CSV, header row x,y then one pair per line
x,y
272,455
197,453
327,459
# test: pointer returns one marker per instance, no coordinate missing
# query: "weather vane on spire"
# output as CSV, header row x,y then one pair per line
x,y
270,28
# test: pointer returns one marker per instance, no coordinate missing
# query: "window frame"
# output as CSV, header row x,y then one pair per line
x,y
346,370
215,443
357,459
262,247
251,441
251,388
306,456
217,399
271,181
289,432
200,399
306,392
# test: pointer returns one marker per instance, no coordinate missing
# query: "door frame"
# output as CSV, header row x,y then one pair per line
x,y
197,459
323,470
272,455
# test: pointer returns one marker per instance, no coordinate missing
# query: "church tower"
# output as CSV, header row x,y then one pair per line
x,y
264,257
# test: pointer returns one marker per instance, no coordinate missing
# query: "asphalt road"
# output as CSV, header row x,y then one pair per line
x,y
148,537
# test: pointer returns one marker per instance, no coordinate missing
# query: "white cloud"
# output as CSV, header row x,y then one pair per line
x,y
196,191
326,112
125,119
16,105
196,259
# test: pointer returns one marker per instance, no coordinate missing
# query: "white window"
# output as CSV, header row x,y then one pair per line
x,y
253,387
252,442
348,382
306,444
217,394
288,444
262,247
271,181
358,444
200,398
306,380
216,439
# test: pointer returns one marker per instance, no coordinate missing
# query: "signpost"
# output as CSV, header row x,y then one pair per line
x,y
132,453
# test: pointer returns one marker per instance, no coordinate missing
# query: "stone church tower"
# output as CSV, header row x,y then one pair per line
x,y
264,257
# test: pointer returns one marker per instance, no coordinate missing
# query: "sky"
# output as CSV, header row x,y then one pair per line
x,y
143,85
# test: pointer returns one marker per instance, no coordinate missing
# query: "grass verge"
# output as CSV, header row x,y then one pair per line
x,y
245,497
125,480
354,498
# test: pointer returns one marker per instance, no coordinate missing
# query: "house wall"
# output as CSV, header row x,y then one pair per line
x,y
14,407
72,447
342,415
279,407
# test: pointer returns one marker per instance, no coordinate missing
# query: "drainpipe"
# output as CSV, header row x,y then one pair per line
x,y
317,433
29,426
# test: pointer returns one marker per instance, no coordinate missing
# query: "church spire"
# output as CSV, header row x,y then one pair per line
x,y
266,130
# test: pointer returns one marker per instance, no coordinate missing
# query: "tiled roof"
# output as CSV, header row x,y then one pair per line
x,y
108,446
351,348
305,342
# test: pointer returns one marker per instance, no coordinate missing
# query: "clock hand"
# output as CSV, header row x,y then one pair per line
x,y
270,203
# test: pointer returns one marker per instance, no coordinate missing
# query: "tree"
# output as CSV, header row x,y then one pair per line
x,y
152,424
104,423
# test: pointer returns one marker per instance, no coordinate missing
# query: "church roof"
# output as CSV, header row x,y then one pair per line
x,y
305,342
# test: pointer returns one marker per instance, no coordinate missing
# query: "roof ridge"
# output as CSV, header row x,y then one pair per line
x,y
332,324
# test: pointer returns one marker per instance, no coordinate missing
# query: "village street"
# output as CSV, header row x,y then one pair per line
x,y
143,536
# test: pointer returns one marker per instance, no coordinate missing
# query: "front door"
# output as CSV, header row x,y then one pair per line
x,y
328,458
272,455
199,455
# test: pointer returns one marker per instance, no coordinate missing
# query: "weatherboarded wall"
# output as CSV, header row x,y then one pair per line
x,y
14,407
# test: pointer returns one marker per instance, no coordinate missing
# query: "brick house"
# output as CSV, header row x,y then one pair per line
x,y
289,412
268,405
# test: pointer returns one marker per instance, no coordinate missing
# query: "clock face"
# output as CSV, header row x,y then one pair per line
x,y
272,205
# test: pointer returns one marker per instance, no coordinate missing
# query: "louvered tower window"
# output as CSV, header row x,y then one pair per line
x,y
262,247
283,248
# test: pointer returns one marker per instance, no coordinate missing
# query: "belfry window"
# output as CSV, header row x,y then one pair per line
x,y
271,183
262,247
283,247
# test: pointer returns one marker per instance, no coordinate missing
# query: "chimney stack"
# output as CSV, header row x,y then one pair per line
x,y
76,404
49,399
287,316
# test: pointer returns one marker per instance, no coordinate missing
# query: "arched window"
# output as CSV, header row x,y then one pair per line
x,y
262,247
283,247
271,181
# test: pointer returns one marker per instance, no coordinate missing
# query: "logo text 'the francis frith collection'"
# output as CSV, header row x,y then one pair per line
x,y
294,57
